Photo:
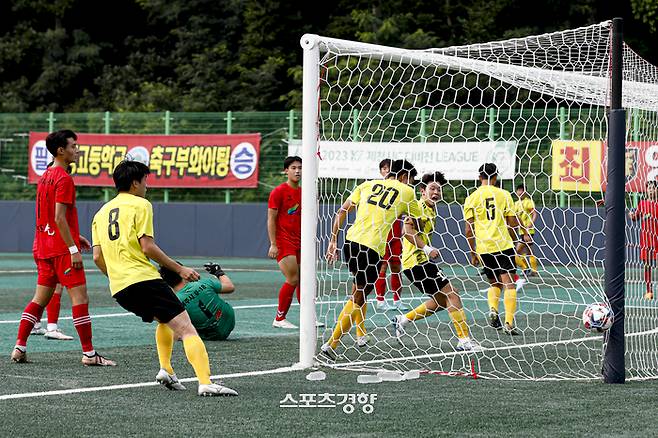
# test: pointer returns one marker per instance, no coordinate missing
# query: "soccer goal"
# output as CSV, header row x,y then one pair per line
x,y
538,108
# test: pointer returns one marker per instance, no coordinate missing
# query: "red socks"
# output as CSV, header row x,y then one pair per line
x,y
647,277
285,299
380,286
396,285
82,323
53,308
31,315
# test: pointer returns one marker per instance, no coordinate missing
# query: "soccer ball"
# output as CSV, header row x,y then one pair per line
x,y
598,316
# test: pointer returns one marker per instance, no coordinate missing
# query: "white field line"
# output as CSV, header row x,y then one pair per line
x,y
142,384
34,271
274,305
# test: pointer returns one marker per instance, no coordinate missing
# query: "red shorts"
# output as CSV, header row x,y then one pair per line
x,y
58,270
285,251
393,251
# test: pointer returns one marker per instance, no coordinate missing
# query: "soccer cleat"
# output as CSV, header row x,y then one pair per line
x,y
38,330
328,352
520,282
57,335
494,319
169,381
511,330
97,361
284,324
648,295
362,341
216,390
383,305
397,327
319,324
19,356
467,344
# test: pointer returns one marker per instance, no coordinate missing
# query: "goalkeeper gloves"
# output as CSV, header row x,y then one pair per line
x,y
214,269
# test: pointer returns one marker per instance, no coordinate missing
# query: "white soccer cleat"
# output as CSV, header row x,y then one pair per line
x,y
362,341
328,352
467,344
383,305
169,381
38,330
520,283
216,390
57,335
397,326
319,324
19,356
284,324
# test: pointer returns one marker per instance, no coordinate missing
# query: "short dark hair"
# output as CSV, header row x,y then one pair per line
x,y
429,178
520,187
170,277
402,167
289,160
128,171
59,139
385,162
488,171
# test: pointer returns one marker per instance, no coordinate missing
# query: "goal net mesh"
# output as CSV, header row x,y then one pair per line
x,y
544,98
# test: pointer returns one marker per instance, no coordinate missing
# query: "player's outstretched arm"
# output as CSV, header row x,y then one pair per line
x,y
99,260
470,238
272,214
153,251
216,270
341,214
411,234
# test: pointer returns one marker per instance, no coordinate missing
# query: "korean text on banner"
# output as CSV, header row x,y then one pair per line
x,y
576,165
186,161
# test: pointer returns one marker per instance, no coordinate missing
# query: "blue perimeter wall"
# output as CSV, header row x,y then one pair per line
x,y
564,236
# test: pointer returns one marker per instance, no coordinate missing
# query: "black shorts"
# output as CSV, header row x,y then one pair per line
x,y
363,263
427,277
150,299
498,263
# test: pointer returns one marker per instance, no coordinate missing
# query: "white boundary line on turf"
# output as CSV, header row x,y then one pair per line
x,y
142,384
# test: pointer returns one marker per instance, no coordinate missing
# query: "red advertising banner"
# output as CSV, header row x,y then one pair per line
x,y
641,165
186,161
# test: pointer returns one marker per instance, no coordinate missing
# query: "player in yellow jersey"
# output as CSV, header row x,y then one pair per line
x,y
378,203
122,234
417,262
490,232
527,215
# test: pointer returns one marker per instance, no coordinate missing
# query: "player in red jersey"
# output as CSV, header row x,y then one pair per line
x,y
58,245
284,227
391,259
647,212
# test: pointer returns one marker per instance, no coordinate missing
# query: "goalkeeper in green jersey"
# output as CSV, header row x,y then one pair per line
x,y
212,317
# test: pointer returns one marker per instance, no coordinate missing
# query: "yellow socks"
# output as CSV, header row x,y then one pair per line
x,y
493,296
197,356
520,262
344,324
510,306
359,318
459,320
164,340
419,312
533,263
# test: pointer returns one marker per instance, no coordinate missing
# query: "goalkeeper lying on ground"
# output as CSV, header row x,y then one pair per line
x,y
212,317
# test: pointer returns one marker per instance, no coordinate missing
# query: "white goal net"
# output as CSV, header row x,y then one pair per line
x,y
535,106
